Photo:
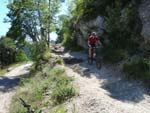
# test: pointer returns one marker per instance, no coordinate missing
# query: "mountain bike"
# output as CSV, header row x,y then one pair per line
x,y
28,107
95,58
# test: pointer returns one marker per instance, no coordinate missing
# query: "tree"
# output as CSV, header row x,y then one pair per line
x,y
7,51
31,19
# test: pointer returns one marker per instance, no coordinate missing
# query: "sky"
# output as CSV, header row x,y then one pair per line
x,y
4,27
63,10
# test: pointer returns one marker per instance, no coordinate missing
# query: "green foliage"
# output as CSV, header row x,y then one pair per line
x,y
138,68
112,54
46,54
20,56
31,19
62,93
58,60
38,50
6,42
89,9
121,25
58,109
62,88
33,90
66,35
7,51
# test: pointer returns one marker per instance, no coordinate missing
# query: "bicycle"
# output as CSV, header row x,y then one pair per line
x,y
95,57
28,106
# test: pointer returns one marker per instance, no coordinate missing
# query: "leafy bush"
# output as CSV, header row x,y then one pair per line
x,y
62,93
20,56
38,50
138,68
63,89
46,54
7,51
53,82
112,54
121,26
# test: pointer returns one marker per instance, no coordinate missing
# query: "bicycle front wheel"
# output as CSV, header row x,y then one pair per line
x,y
98,63
90,61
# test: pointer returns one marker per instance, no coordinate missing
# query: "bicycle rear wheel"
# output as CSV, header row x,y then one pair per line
x,y
98,63
90,61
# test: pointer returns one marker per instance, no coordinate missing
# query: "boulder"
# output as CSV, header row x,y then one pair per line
x,y
84,28
144,13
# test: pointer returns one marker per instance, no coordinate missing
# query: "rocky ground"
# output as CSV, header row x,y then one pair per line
x,y
106,90
8,83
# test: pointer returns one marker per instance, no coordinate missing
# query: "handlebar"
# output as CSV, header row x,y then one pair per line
x,y
96,46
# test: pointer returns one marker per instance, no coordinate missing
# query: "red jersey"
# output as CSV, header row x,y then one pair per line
x,y
93,40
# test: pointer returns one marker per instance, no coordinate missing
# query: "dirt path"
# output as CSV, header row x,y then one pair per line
x,y
8,84
105,90
102,96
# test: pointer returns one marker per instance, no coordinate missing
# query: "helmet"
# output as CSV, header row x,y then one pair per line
x,y
93,33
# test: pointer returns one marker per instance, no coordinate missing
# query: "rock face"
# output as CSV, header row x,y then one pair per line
x,y
83,29
144,13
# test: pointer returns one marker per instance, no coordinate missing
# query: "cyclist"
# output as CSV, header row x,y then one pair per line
x,y
93,41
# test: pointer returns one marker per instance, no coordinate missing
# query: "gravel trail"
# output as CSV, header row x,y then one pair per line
x,y
8,83
106,90
103,91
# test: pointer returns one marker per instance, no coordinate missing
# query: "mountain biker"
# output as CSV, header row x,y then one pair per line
x,y
93,42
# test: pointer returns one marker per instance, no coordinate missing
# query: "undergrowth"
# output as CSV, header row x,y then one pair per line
x,y
138,68
49,87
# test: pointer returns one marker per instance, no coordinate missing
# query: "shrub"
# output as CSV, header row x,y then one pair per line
x,y
7,51
46,54
63,92
122,27
33,90
62,88
38,50
20,56
138,68
112,54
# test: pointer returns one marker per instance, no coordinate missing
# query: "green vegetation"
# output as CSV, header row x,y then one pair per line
x,y
7,51
120,18
20,56
31,19
51,87
9,54
66,35
138,68
113,55
121,32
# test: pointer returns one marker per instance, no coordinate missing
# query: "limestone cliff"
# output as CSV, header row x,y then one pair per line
x,y
84,28
144,13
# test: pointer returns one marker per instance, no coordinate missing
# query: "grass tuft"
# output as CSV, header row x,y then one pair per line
x,y
51,87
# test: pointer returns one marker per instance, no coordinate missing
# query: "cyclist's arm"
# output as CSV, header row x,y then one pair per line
x,y
88,42
99,42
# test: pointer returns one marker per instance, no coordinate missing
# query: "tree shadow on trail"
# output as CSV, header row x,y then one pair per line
x,y
124,90
9,83
114,81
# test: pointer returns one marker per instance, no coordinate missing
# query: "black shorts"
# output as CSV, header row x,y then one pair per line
x,y
93,45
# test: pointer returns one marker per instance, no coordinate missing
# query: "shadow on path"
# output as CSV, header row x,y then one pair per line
x,y
9,83
114,81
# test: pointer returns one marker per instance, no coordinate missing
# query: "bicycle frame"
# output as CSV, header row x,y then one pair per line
x,y
97,60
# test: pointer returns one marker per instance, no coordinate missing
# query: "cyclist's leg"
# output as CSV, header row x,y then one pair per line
x,y
90,52
94,52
